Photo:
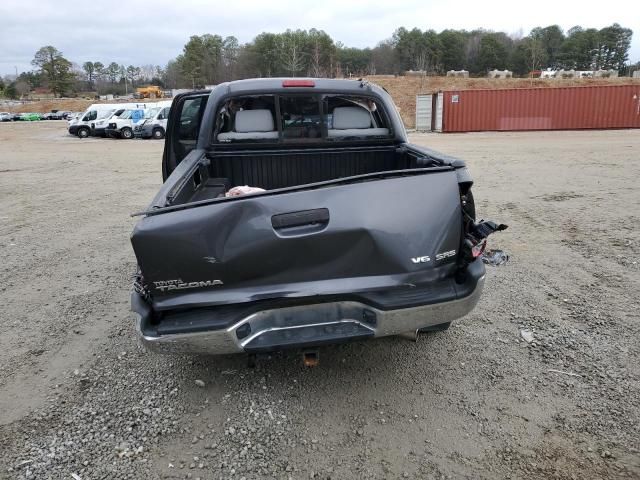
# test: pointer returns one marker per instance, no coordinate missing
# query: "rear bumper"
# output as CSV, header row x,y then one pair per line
x,y
304,325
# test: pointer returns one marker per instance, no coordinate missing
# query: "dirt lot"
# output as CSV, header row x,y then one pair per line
x,y
48,104
77,397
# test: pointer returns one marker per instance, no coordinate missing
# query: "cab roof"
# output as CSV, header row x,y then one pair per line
x,y
279,85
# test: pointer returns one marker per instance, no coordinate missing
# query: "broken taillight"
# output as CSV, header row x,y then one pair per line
x,y
475,241
478,248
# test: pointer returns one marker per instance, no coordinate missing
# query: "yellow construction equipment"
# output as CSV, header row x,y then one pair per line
x,y
152,91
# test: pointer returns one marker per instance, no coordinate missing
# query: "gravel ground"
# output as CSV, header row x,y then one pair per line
x,y
78,400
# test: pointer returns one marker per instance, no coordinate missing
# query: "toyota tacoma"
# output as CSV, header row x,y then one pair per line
x,y
294,213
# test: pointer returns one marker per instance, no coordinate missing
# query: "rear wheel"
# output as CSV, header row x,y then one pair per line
x,y
83,132
158,133
436,328
126,133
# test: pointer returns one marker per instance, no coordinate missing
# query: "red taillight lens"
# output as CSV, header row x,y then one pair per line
x,y
477,250
298,83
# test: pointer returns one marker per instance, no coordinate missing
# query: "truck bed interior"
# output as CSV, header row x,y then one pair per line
x,y
269,169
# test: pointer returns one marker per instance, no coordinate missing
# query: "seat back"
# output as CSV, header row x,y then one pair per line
x,y
350,117
251,124
354,121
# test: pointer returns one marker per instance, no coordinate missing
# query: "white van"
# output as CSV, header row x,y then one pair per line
x,y
100,126
155,123
122,126
85,124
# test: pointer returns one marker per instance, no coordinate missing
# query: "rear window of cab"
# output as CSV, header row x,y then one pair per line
x,y
300,118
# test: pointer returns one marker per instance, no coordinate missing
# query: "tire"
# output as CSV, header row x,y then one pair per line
x,y
126,133
83,132
436,328
157,134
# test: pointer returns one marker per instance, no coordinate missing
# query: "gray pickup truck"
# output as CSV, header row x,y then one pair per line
x,y
348,233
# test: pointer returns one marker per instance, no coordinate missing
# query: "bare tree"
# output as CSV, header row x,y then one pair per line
x,y
535,53
23,88
422,63
315,68
291,55
147,72
371,68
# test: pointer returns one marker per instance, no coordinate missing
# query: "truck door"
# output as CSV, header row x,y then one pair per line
x,y
183,127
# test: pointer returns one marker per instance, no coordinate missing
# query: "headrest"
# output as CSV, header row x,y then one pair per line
x,y
254,121
351,117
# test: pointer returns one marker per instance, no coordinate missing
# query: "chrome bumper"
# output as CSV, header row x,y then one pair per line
x,y
300,322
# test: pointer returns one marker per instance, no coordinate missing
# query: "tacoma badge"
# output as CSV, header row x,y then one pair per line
x,y
166,285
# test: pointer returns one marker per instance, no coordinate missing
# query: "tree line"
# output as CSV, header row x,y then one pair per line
x,y
545,47
210,59
62,77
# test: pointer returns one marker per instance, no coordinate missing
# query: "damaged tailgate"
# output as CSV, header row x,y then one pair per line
x,y
341,238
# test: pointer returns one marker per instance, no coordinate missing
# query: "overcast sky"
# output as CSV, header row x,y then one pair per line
x,y
141,33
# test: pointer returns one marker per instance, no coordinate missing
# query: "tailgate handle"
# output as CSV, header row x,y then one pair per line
x,y
318,216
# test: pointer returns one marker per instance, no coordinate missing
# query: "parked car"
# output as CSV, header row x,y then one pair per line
x,y
53,115
49,116
294,213
30,117
6,117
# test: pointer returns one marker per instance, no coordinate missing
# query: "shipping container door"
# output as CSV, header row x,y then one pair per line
x,y
423,113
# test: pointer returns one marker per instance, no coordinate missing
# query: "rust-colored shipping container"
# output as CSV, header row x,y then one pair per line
x,y
563,108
